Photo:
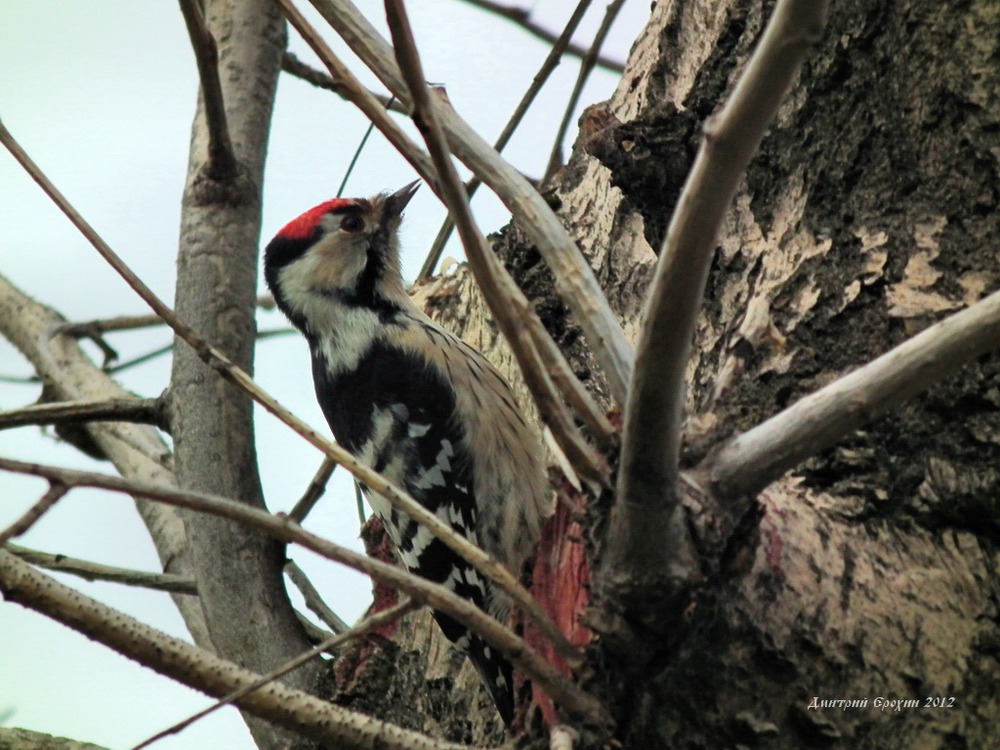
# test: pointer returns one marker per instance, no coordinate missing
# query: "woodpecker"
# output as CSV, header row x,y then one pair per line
x,y
415,403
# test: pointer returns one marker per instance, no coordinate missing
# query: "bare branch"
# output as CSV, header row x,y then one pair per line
x,y
167,349
359,95
749,462
94,328
201,670
92,571
314,632
364,627
137,451
315,490
648,476
509,306
420,590
221,157
586,68
575,281
566,380
29,518
550,63
218,361
294,66
313,600
143,411
522,17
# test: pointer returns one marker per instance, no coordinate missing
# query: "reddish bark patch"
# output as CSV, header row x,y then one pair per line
x,y
378,546
561,584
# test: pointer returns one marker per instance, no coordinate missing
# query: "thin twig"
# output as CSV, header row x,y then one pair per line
x,y
142,359
30,517
421,590
141,411
522,17
313,600
92,328
212,356
749,462
303,713
575,281
508,304
294,66
359,500
550,64
135,450
221,157
357,154
92,571
359,95
648,475
364,627
586,68
20,379
314,632
315,490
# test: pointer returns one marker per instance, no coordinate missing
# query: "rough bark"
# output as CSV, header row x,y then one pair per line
x,y
870,211
23,739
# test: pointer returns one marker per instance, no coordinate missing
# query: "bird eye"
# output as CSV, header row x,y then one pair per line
x,y
352,223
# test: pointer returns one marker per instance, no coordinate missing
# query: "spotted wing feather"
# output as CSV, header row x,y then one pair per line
x,y
397,415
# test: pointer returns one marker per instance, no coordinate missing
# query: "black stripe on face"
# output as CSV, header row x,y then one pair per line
x,y
284,250
280,252
386,309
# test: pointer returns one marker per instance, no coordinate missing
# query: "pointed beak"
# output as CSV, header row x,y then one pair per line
x,y
395,203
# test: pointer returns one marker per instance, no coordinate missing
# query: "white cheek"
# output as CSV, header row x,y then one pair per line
x,y
295,281
344,333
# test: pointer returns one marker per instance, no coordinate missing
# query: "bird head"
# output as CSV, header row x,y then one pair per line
x,y
345,250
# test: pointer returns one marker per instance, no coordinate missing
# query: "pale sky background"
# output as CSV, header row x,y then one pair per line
x,y
101,94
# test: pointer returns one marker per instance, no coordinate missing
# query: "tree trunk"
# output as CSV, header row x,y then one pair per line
x,y
867,575
239,570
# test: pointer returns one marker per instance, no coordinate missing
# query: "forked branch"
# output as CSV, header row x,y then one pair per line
x,y
221,157
648,475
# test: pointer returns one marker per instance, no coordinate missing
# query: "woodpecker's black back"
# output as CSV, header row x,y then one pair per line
x,y
415,403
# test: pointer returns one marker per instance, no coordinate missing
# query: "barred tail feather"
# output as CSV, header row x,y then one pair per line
x,y
497,675
495,671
